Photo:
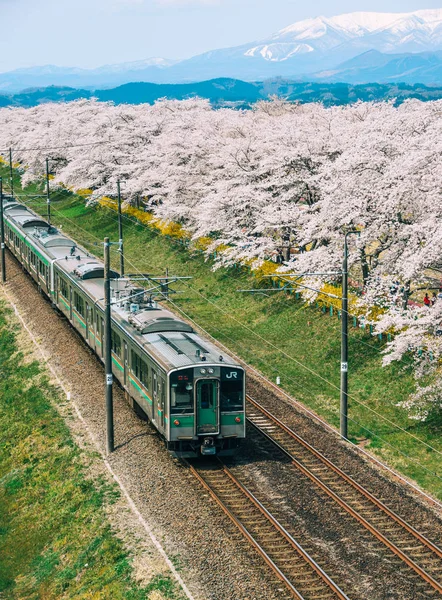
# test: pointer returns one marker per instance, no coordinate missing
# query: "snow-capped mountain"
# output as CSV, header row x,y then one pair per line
x,y
314,45
386,32
323,42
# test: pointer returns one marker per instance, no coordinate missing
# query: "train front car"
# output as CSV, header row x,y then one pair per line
x,y
207,412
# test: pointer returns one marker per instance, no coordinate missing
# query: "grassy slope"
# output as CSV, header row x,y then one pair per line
x,y
55,541
309,339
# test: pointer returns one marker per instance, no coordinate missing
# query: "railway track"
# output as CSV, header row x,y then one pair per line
x,y
302,576
414,549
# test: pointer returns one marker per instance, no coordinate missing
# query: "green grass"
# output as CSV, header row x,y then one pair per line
x,y
279,336
55,540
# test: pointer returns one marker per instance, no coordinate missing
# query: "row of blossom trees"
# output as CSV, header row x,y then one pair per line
x,y
279,176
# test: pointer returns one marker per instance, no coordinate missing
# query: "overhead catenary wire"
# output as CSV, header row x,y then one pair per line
x,y
288,356
405,360
311,371
188,317
276,370
65,147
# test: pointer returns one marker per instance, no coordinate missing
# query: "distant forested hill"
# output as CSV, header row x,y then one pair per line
x,y
230,92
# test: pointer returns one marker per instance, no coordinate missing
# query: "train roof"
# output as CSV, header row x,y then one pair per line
x,y
160,332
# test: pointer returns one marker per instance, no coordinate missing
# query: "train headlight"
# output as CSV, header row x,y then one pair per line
x,y
238,419
176,422
211,371
203,371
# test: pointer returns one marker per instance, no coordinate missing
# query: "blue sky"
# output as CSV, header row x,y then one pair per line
x,y
90,33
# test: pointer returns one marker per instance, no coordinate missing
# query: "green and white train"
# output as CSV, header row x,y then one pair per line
x,y
192,394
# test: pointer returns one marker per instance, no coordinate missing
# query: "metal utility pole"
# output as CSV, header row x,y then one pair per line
x,y
165,288
120,229
2,234
108,350
11,174
344,342
48,193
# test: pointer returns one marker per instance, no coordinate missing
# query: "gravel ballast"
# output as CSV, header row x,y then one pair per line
x,y
213,558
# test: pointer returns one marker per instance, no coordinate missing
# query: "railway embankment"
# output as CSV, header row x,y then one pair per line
x,y
280,337
65,528
212,558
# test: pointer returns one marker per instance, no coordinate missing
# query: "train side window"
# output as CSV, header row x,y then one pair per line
x,y
79,304
116,343
64,291
140,369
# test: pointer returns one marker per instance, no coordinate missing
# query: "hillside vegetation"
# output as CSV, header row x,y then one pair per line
x,y
228,92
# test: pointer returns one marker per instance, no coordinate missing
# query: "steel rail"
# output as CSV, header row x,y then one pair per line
x,y
410,562
283,532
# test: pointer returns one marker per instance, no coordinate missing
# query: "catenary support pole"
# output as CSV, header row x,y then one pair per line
x,y
120,229
11,173
344,345
48,192
344,340
108,350
2,234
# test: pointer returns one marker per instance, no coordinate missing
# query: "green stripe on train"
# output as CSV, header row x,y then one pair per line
x,y
140,389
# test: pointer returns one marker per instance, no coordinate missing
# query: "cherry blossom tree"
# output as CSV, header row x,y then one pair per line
x,y
282,179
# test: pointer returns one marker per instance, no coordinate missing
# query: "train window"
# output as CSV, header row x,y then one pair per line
x,y
64,290
140,369
181,392
116,343
144,374
232,396
79,304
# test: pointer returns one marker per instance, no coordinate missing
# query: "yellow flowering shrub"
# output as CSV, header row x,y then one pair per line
x,y
172,229
262,272
266,268
84,192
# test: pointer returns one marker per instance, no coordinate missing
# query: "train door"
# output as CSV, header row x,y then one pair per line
x,y
97,332
47,279
56,286
155,396
125,362
100,333
207,403
71,299
161,400
89,322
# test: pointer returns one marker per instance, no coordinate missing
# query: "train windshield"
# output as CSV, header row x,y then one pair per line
x,y
232,392
181,392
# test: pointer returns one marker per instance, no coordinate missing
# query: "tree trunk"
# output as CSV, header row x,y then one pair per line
x,y
406,295
364,266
